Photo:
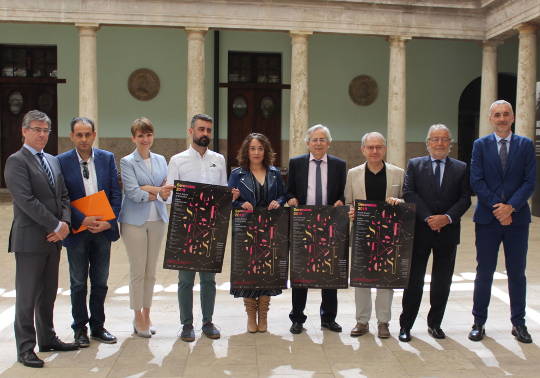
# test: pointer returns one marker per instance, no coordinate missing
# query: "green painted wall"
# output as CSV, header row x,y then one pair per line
x,y
437,73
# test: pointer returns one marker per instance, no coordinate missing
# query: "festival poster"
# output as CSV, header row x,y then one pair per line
x,y
198,226
382,244
319,247
260,249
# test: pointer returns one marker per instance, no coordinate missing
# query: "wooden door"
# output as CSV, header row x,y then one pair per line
x,y
15,100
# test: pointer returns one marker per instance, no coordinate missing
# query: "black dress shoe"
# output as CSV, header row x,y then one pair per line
x,y
104,336
404,335
296,328
332,326
81,338
521,334
477,332
436,332
30,359
58,345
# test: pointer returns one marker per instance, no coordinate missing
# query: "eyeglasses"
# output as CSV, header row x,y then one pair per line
x,y
318,140
39,130
85,171
374,148
437,140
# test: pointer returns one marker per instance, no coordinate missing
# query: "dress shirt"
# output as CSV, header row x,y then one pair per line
x,y
189,165
90,183
312,172
34,152
434,166
375,184
508,140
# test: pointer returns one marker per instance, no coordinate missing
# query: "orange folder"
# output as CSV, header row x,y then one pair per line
x,y
96,204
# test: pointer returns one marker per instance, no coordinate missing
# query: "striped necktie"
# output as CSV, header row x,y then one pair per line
x,y
46,169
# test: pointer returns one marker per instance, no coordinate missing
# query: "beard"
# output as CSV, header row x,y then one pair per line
x,y
203,141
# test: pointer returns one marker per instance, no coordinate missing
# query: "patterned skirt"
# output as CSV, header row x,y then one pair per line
x,y
252,293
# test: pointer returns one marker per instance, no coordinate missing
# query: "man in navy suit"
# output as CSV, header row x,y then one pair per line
x,y
503,170
439,186
316,178
86,171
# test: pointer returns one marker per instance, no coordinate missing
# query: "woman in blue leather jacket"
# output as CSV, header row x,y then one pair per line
x,y
259,184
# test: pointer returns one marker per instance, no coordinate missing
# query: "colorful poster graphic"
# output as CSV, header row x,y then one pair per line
x,y
382,244
198,226
260,249
319,247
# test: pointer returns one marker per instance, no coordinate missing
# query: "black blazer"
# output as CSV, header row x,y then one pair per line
x,y
453,198
298,179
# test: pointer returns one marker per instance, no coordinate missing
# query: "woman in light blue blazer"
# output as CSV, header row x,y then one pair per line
x,y
143,219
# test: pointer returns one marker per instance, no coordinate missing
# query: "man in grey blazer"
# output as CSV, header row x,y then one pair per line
x,y
41,215
375,180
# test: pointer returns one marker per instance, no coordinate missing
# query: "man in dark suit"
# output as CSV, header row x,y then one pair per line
x,y
316,178
503,172
40,222
86,171
439,186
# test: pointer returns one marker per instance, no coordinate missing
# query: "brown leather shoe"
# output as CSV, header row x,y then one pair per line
x,y
360,329
383,331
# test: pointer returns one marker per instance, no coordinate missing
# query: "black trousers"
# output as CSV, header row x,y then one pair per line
x,y
36,284
328,309
444,257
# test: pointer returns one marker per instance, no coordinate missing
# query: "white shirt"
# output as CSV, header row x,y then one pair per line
x,y
442,166
152,214
90,183
189,165
312,179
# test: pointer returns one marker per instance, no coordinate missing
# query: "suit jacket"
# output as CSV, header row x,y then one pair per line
x,y
355,188
107,180
240,178
298,179
135,173
453,198
514,186
37,208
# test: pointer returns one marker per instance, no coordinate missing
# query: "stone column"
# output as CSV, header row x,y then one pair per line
x,y
488,92
526,77
299,92
88,92
396,139
195,74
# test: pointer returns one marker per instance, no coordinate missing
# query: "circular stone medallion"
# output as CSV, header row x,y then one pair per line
x,y
363,90
143,84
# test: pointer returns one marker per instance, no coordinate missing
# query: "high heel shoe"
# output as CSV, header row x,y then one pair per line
x,y
146,334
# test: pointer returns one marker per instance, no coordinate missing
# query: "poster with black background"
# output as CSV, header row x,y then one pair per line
x,y
382,244
198,226
260,249
319,247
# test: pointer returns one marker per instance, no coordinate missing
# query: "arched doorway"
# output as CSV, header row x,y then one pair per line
x,y
469,110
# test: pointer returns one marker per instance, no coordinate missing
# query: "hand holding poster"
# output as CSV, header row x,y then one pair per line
x,y
260,249
198,227
319,247
382,244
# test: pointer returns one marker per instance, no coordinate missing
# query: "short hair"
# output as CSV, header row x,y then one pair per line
x,y
84,120
312,129
142,125
372,134
202,117
500,102
35,115
438,126
243,152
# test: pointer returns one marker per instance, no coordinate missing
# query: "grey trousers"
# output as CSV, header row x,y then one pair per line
x,y
383,304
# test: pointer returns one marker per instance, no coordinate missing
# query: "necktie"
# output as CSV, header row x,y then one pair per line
x,y
438,173
318,183
46,169
503,153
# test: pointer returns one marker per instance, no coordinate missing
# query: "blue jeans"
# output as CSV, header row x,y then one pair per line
x,y
185,295
90,256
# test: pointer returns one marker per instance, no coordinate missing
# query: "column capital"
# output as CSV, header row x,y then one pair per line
x,y
398,39
491,43
87,26
300,33
197,29
526,28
